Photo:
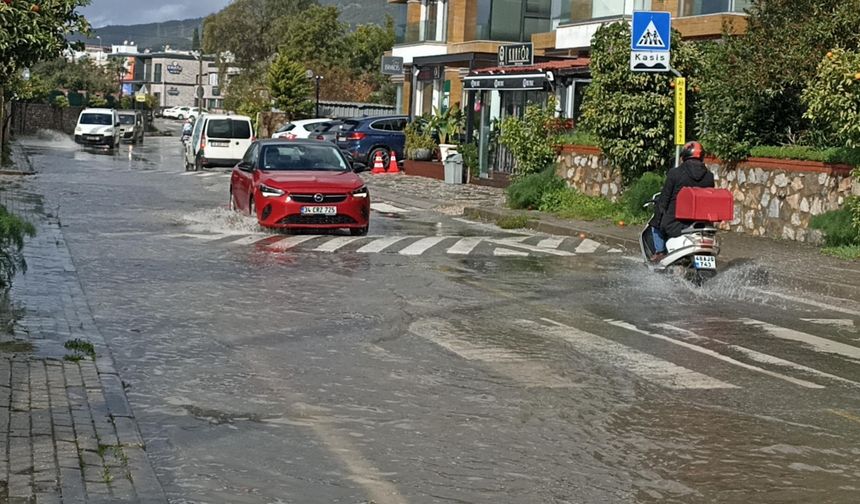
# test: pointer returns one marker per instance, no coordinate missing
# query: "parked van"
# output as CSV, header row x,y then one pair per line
x,y
99,127
218,140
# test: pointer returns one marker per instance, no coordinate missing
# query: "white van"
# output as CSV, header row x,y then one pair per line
x,y
99,127
218,140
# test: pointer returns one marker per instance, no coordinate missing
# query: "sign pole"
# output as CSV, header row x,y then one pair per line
x,y
680,114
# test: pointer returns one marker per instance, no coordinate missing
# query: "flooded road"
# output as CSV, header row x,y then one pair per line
x,y
438,360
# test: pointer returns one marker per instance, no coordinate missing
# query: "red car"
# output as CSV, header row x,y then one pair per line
x,y
301,184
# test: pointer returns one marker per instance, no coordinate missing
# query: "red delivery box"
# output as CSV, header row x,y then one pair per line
x,y
709,205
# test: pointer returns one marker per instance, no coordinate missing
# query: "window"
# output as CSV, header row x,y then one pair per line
x,y
251,154
514,20
703,7
156,75
382,125
228,128
564,11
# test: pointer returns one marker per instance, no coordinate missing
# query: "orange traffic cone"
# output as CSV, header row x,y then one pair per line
x,y
392,165
378,165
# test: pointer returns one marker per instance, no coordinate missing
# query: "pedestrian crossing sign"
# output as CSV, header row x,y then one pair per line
x,y
651,31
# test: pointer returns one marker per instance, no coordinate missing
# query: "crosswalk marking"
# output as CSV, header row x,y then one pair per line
x,y
516,244
465,246
716,355
336,243
830,322
208,174
291,241
810,302
817,343
503,252
380,244
552,243
249,240
186,174
422,245
587,247
386,208
196,236
646,366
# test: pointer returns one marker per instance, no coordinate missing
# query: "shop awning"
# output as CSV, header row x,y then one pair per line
x,y
536,81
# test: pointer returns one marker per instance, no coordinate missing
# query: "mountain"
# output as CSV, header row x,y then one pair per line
x,y
177,34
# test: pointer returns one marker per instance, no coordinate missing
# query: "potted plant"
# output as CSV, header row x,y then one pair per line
x,y
419,142
448,126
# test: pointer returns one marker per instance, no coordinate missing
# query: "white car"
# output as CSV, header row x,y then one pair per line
x,y
177,113
98,127
218,140
298,129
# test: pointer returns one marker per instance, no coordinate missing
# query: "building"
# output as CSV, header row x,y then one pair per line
x,y
451,51
173,78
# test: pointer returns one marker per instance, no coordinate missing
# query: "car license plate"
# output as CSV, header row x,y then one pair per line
x,y
220,144
319,210
705,262
92,138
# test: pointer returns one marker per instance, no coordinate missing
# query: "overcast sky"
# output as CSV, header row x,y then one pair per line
x,y
126,12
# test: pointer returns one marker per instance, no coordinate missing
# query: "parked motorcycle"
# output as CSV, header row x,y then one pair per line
x,y
693,255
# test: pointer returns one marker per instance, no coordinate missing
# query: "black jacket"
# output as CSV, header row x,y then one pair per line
x,y
690,173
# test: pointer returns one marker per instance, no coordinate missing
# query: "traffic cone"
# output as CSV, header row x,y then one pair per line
x,y
378,165
392,164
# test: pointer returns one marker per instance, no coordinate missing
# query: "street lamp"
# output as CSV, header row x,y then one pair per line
x,y
310,75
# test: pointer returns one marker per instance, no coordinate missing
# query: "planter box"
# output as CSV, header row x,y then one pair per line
x,y
793,165
429,169
580,149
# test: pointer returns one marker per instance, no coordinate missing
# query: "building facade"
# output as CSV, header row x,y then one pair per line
x,y
451,52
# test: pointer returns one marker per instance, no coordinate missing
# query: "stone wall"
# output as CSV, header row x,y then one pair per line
x,y
585,169
773,198
28,118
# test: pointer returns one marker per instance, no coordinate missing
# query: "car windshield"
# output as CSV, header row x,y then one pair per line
x,y
228,128
101,119
302,157
126,119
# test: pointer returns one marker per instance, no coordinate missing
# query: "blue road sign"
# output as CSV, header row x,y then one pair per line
x,y
652,31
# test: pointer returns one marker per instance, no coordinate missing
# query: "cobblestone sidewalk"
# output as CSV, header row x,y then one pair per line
x,y
68,433
450,199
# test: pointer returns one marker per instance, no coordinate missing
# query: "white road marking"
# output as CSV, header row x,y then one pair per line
x,y
817,343
422,245
615,251
646,366
336,243
207,174
187,173
716,355
552,243
250,240
811,302
503,252
529,372
291,241
830,322
204,237
465,246
386,208
380,244
587,247
761,357
225,175
516,244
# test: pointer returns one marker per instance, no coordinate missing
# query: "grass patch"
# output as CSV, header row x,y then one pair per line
x,y
848,252
81,349
527,191
802,153
571,204
578,137
838,226
512,222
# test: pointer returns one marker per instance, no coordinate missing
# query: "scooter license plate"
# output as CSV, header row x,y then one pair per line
x,y
705,262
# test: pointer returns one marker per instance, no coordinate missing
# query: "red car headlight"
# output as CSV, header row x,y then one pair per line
x,y
270,192
361,192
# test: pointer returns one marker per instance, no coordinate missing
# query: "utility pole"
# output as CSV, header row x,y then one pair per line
x,y
318,79
199,90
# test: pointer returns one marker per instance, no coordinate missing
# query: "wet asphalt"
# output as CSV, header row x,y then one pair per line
x,y
503,375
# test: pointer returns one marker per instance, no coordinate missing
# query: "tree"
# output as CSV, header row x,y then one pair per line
x,y
752,84
832,100
632,113
316,36
290,87
247,28
195,40
368,43
82,75
248,93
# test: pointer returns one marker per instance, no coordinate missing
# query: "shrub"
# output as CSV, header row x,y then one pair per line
x,y
832,99
470,158
631,113
13,230
531,140
838,226
572,204
578,137
838,155
527,191
61,101
641,191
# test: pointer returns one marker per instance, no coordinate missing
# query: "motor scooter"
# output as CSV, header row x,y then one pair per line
x,y
693,255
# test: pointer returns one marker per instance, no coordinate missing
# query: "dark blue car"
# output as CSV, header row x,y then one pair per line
x,y
363,137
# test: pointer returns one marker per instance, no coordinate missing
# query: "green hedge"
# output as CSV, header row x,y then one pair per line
x,y
803,153
578,137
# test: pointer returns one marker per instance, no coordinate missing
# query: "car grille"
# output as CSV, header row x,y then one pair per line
x,y
317,220
327,198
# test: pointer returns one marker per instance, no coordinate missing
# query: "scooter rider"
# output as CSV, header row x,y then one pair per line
x,y
692,172
188,127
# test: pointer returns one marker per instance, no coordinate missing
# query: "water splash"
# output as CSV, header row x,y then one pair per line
x,y
219,221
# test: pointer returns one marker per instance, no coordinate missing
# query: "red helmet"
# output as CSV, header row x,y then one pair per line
x,y
693,150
